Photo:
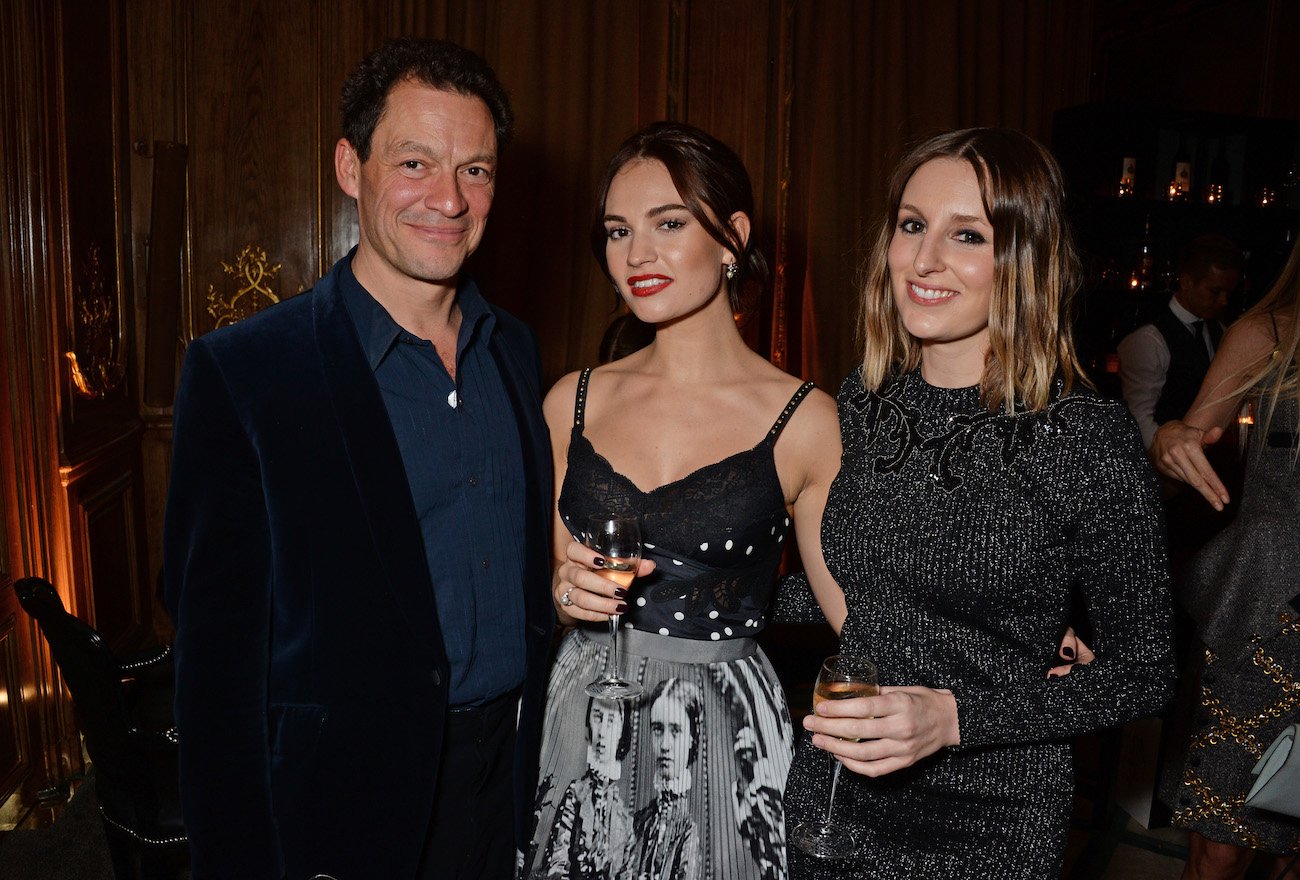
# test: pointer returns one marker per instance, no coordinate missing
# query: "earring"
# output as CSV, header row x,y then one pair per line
x,y
732,271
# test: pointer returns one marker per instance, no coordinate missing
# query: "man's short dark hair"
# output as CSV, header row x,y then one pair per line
x,y
437,63
1206,252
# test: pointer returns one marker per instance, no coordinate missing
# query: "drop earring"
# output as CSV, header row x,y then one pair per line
x,y
732,271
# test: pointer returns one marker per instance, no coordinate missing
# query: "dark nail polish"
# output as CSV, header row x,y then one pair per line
x,y
598,562
620,593
1053,675
621,609
1067,652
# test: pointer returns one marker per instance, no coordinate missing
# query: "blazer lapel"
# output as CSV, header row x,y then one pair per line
x,y
377,468
522,385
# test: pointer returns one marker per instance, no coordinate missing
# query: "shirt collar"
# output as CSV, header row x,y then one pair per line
x,y
1181,313
377,330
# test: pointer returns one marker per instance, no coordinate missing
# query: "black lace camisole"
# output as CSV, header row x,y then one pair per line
x,y
715,535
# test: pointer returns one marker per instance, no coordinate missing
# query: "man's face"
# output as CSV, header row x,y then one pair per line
x,y
424,193
1207,297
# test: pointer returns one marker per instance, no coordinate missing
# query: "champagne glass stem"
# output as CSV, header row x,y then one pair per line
x,y
835,779
612,666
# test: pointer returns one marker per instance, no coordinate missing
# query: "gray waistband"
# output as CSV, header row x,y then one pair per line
x,y
634,641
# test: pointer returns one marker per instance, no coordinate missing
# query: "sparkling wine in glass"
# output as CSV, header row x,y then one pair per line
x,y
842,677
617,539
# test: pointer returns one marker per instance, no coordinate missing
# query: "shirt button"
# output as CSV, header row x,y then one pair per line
x,y
486,563
473,481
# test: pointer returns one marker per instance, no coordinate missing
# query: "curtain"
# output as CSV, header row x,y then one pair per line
x,y
868,80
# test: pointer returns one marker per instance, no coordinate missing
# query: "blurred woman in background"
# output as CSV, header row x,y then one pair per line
x,y
1243,590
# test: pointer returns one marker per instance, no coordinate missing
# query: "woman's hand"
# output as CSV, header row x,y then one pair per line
x,y
1073,650
1178,451
900,727
579,593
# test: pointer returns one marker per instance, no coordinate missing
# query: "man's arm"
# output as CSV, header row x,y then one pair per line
x,y
1143,366
217,554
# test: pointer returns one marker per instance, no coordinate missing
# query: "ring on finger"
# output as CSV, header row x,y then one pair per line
x,y
565,600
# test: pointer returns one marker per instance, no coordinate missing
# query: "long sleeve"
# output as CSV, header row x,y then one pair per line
x,y
1143,365
217,568
795,602
1114,550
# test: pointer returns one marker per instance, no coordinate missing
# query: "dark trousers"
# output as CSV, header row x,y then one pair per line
x,y
471,835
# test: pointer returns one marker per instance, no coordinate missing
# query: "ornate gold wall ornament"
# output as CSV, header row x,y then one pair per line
x,y
251,272
96,358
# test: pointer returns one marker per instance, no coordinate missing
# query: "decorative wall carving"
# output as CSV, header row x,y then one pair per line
x,y
97,363
251,273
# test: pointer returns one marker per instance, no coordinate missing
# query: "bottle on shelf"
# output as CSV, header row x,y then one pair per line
x,y
1181,185
1141,277
1216,180
1127,177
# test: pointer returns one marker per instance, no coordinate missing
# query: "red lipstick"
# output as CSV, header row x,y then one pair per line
x,y
648,285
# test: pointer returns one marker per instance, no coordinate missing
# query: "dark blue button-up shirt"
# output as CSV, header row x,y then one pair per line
x,y
461,449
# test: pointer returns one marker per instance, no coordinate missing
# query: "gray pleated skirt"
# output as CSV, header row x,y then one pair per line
x,y
683,782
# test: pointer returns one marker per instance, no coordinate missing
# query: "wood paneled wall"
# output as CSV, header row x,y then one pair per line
x,y
72,426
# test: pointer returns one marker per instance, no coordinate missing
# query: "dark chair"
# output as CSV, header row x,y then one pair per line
x,y
124,708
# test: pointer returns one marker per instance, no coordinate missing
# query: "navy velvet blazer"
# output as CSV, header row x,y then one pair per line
x,y
311,674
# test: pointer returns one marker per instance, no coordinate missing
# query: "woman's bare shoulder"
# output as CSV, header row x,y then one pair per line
x,y
559,402
816,418
1254,334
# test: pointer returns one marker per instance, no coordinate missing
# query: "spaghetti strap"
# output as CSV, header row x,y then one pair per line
x,y
779,425
1272,316
580,399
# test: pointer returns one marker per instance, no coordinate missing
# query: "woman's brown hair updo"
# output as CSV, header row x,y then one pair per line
x,y
713,184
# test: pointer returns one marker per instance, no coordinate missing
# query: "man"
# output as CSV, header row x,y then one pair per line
x,y
356,537
1162,363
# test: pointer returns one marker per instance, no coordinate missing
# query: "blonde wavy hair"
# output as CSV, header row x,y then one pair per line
x,y
1275,375
1035,275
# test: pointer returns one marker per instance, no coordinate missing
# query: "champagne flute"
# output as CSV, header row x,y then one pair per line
x,y
617,539
842,677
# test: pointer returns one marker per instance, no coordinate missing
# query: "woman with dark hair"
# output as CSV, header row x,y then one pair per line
x,y
1242,588
721,456
982,486
591,815
625,334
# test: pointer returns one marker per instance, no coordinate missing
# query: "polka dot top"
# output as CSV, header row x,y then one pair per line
x,y
716,535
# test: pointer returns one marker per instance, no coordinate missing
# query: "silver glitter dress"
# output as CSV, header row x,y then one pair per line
x,y
1239,591
959,537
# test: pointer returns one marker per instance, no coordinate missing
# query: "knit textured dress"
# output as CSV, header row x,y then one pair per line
x,y
1241,591
960,538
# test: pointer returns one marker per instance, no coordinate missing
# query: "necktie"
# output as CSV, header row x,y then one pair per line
x,y
1202,332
